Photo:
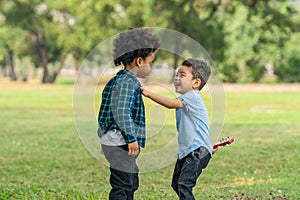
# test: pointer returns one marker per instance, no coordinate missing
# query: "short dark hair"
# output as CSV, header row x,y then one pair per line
x,y
200,69
134,43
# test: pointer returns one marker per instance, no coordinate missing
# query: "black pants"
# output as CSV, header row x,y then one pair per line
x,y
124,178
186,172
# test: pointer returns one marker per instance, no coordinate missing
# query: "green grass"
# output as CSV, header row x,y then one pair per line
x,y
42,157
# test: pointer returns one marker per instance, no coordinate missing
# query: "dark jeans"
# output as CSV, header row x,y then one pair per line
x,y
186,172
124,178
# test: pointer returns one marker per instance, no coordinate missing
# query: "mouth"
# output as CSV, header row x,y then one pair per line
x,y
177,87
176,84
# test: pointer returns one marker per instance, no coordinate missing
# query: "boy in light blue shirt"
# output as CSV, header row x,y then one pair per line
x,y
194,144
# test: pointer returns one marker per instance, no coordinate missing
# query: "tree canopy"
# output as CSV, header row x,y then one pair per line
x,y
246,39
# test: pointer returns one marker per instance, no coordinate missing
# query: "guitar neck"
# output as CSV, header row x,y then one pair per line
x,y
224,143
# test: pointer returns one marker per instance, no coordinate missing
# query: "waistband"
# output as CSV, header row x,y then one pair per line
x,y
200,152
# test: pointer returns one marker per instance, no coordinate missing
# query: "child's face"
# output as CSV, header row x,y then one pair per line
x,y
145,69
184,80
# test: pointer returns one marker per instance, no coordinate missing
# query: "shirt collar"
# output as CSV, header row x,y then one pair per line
x,y
125,71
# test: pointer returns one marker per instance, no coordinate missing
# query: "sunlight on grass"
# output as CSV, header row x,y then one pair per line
x,y
42,157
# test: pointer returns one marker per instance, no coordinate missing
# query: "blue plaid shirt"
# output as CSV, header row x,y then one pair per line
x,y
122,108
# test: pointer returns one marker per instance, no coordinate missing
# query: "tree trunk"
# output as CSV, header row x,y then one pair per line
x,y
55,74
41,52
175,64
11,65
178,50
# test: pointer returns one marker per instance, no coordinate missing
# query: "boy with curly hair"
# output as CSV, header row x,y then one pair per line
x,y
121,119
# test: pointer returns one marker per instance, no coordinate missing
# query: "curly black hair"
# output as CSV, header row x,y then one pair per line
x,y
136,42
200,69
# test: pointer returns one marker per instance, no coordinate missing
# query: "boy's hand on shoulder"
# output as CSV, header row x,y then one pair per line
x,y
145,92
133,148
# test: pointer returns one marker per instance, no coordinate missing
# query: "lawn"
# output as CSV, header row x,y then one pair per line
x,y
42,157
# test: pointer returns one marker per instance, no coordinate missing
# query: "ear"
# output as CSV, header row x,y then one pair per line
x,y
197,83
139,61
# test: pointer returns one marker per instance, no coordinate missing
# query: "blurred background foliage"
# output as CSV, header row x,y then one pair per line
x,y
249,40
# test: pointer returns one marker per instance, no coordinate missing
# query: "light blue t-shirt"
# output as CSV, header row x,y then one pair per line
x,y
192,124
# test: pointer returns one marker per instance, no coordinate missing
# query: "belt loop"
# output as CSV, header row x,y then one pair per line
x,y
193,153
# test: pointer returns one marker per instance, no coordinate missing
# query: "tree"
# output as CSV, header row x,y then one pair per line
x,y
265,29
255,34
289,69
22,15
60,28
13,43
192,18
242,37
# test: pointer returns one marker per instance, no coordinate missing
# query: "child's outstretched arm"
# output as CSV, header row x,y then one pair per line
x,y
164,101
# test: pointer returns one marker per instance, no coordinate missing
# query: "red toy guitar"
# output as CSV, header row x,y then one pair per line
x,y
224,142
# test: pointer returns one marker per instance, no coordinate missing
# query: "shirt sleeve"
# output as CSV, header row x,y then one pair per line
x,y
122,104
184,103
193,103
